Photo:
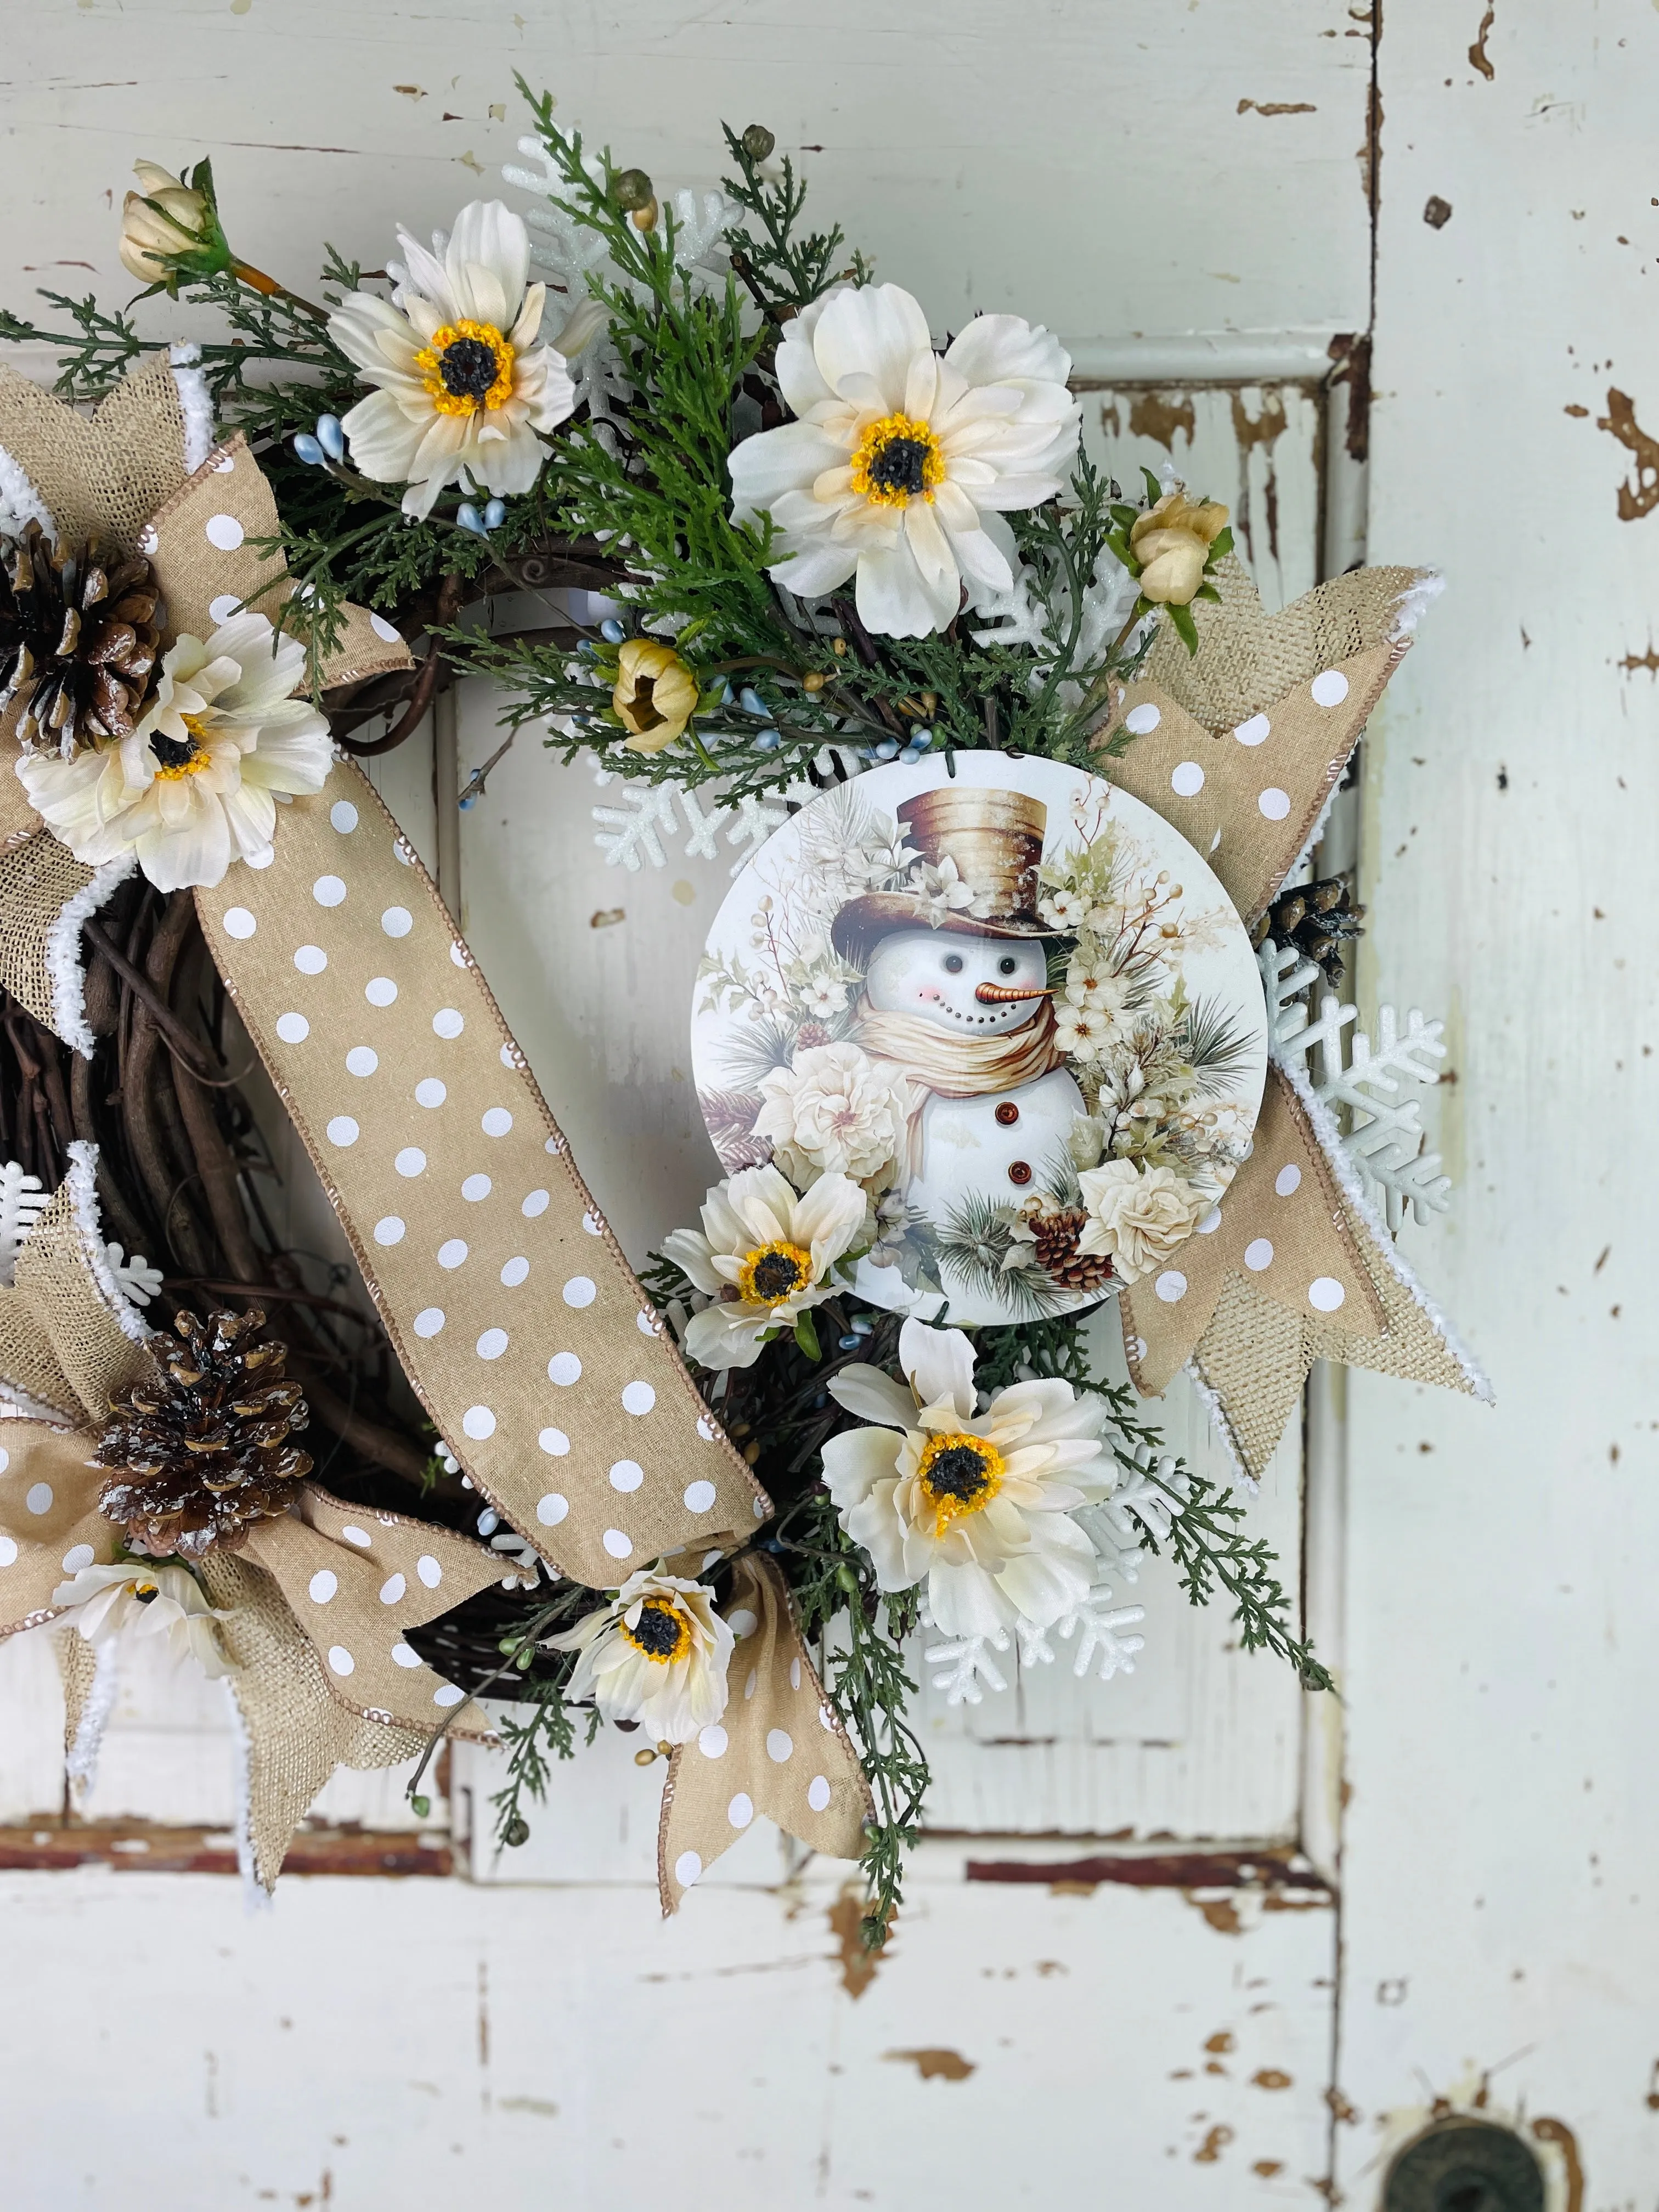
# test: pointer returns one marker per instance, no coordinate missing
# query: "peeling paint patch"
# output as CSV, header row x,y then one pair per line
x,y
1562,2138
1277,107
1151,414
1649,660
858,1966
1437,212
1640,498
1209,2151
935,2065
606,917
1478,58
539,2106
1270,2077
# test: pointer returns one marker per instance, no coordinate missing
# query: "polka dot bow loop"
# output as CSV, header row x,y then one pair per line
x,y
1240,746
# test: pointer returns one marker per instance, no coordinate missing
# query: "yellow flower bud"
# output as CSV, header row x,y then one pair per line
x,y
655,696
1172,543
165,216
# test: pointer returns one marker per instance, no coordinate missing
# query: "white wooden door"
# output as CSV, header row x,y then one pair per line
x,y
1111,1972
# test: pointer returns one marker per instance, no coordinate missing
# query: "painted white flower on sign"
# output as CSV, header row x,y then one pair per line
x,y
901,461
976,1505
836,1111
465,390
194,787
657,1653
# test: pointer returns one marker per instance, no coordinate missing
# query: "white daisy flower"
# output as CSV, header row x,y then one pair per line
x,y
824,995
1091,980
1064,910
977,1505
465,388
144,1597
193,788
901,461
764,1255
656,1654
1082,1032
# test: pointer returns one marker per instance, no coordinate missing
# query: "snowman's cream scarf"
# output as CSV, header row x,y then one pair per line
x,y
957,1066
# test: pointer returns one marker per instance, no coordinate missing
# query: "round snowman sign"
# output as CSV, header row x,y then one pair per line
x,y
1010,1002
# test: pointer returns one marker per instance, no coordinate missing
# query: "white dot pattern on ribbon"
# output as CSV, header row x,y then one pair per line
x,y
552,1509
262,859
591,1224
1258,1254
1140,721
310,959
626,1474
405,1655
77,1557
329,891
780,1746
293,1029
617,1544
351,1533
341,1660
457,956
638,1398
699,1497
1211,1222
393,1589
239,922
380,990
222,606
388,633
476,1188
362,1060
513,1272
564,1369
323,1585
741,1811
554,1443
712,1741
224,533
794,1673
1325,1294
343,815
430,1572
742,1623
1186,780
580,1290
429,1092
447,1023
1329,688
687,1868
428,1320
1171,1286
1288,1179
496,1122
448,1694
410,1161
451,1253
343,1131
818,1793
8,1551
397,922
646,1323
492,1344
1273,803
389,1228
535,1204
1255,731
478,1422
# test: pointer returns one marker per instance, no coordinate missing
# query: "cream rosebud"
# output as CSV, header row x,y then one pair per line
x,y
655,695
1172,543
166,216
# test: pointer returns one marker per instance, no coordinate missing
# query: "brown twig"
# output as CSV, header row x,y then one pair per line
x,y
139,984
449,599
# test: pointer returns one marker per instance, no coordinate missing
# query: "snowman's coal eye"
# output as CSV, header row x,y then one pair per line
x,y
1007,966
953,964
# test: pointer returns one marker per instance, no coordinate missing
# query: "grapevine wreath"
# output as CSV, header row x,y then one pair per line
x,y
1021,1010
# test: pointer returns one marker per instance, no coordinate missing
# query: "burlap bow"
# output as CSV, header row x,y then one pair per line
x,y
516,1316
1240,746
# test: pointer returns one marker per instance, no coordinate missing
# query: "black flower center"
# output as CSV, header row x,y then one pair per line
x,y
901,465
468,368
777,1274
957,1472
657,1631
172,752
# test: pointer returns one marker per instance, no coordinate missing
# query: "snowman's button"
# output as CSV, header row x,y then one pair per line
x,y
1007,1114
1019,1171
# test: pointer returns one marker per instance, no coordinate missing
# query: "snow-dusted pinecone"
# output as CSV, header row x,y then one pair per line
x,y
1057,1235
78,639
204,1444
1318,919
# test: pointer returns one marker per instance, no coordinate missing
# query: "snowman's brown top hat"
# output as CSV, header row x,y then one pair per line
x,y
995,839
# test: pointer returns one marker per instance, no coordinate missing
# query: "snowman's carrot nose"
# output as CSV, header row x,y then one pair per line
x,y
993,994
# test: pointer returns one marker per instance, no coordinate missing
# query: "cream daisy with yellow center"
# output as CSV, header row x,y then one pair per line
x,y
764,1256
897,460
655,1654
465,366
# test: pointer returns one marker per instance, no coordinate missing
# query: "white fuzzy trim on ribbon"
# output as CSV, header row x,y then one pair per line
x,y
80,1760
256,1897
193,398
82,1182
20,502
1414,603
1353,1189
66,969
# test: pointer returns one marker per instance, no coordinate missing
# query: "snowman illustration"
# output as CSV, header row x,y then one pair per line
x,y
958,1000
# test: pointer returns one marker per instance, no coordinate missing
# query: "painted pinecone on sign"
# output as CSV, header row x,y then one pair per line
x,y
78,639
1057,1235
203,1444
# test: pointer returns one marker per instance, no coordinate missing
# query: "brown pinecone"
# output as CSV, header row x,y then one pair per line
x,y
202,1445
78,639
1318,919
1057,1235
